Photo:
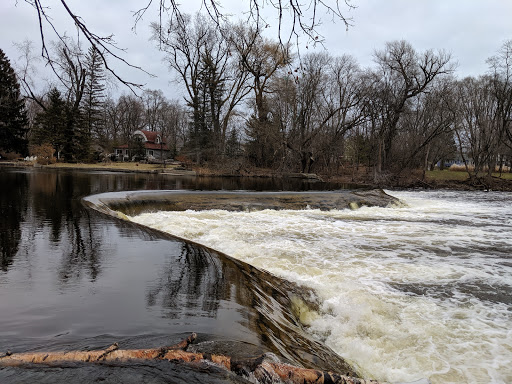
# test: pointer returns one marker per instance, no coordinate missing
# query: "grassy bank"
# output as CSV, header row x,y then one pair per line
x,y
132,167
173,168
448,175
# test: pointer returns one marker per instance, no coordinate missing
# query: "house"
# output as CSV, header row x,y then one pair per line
x,y
151,144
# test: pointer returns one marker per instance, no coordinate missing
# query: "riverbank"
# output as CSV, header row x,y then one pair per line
x,y
174,168
452,180
445,179
432,180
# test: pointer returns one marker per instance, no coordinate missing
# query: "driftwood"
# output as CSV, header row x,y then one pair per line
x,y
261,368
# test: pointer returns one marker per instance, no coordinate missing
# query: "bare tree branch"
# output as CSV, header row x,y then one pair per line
x,y
105,45
303,19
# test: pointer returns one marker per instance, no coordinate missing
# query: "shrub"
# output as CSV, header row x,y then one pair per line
x,y
44,153
10,156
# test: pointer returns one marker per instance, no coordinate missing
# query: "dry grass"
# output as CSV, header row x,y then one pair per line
x,y
446,175
449,174
462,168
114,166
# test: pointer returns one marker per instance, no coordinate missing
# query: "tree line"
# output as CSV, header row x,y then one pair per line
x,y
251,101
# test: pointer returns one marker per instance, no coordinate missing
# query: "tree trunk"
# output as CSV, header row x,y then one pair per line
x,y
378,168
425,165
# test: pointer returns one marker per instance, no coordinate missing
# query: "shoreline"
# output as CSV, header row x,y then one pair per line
x,y
493,183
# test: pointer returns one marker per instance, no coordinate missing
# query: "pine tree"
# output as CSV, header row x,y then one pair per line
x,y
51,123
13,114
205,137
233,144
92,103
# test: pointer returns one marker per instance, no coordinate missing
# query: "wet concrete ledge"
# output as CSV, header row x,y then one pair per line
x,y
266,300
133,203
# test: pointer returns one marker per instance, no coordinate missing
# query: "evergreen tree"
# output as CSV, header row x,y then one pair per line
x,y
92,102
205,136
51,122
136,146
233,144
13,115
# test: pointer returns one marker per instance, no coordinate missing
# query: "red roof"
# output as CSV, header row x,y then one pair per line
x,y
151,135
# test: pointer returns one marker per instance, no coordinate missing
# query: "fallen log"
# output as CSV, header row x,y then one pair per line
x,y
271,372
265,368
112,353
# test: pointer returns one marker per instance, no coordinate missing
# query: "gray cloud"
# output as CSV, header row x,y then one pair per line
x,y
472,30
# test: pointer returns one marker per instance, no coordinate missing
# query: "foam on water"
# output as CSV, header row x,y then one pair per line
x,y
418,291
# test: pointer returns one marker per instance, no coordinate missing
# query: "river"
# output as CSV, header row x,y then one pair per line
x,y
417,290
420,290
74,279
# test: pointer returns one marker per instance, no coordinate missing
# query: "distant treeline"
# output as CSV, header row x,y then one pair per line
x,y
252,101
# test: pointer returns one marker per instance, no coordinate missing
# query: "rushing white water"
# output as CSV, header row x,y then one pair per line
x,y
418,291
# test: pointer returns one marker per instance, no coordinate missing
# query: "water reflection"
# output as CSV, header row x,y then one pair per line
x,y
84,253
49,203
13,205
192,283
56,211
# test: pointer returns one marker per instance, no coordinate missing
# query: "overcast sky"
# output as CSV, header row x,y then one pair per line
x,y
471,30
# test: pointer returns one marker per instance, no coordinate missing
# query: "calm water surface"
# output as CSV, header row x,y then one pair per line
x,y
71,278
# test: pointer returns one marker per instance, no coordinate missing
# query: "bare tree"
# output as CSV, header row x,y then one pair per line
x,y
500,68
428,116
130,112
168,117
104,45
154,101
316,105
71,72
402,74
174,125
69,67
295,19
342,110
110,135
215,83
263,60
479,137
311,110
